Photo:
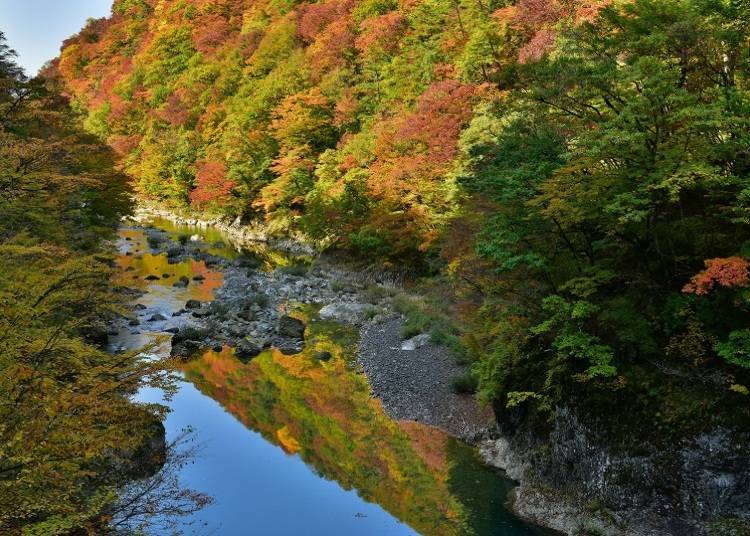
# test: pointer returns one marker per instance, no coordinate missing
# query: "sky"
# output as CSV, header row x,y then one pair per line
x,y
37,28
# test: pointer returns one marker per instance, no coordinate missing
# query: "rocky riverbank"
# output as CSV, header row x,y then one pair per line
x,y
568,480
413,380
253,309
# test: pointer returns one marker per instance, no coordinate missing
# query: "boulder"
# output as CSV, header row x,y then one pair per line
x,y
158,317
289,349
183,282
246,350
193,304
203,312
291,327
187,342
247,314
189,334
152,277
415,342
323,356
351,313
184,349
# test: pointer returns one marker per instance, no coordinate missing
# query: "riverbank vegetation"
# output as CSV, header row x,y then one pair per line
x,y
575,171
69,435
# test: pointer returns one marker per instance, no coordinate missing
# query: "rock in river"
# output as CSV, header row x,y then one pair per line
x,y
323,356
351,313
182,283
291,327
246,350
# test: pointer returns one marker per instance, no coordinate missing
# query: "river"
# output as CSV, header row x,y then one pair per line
x,y
290,444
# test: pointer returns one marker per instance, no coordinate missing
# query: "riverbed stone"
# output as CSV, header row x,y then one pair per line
x,y
183,282
246,350
423,339
291,327
349,312
174,251
193,304
157,317
323,356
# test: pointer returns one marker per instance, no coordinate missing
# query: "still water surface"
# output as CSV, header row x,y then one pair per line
x,y
293,446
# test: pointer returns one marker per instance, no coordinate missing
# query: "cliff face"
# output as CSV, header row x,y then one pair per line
x,y
571,481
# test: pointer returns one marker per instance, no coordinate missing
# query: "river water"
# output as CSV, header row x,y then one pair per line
x,y
290,445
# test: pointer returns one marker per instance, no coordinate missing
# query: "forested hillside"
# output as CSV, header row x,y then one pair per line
x,y
577,168
576,171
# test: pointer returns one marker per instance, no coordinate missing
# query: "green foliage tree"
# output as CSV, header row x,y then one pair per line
x,y
70,436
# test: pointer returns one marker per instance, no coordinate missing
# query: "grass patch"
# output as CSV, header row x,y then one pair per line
x,y
370,312
424,317
377,293
297,269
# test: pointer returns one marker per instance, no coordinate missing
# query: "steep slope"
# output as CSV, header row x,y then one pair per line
x,y
341,118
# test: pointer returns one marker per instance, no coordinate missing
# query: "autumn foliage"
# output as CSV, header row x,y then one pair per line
x,y
212,185
567,164
728,272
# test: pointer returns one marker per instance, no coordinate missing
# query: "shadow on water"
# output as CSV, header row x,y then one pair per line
x,y
296,444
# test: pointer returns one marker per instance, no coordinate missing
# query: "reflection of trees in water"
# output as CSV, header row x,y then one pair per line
x,y
324,413
159,504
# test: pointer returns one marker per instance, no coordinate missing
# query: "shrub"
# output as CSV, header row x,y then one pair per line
x,y
465,384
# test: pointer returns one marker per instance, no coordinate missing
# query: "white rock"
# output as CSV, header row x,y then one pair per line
x,y
415,342
343,312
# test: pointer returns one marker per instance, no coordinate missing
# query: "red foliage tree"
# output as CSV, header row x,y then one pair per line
x,y
414,154
123,145
313,18
536,19
540,44
380,33
724,272
211,31
212,185
174,110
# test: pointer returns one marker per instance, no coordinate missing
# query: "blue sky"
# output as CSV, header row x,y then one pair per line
x,y
36,28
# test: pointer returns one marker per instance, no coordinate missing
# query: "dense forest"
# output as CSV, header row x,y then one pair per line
x,y
69,436
576,169
566,181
